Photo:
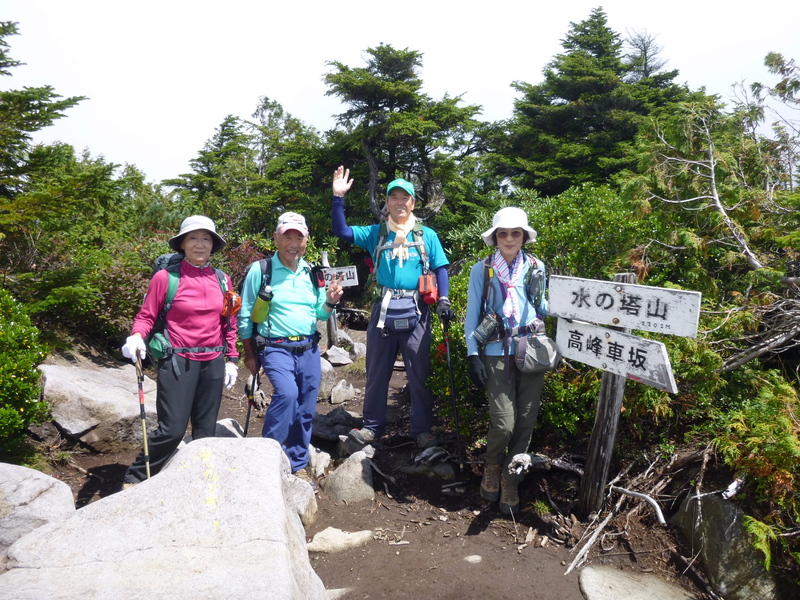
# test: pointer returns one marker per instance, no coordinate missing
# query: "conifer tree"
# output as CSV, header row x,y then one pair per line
x,y
578,124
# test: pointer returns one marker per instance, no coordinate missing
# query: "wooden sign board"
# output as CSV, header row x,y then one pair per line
x,y
625,305
627,355
350,275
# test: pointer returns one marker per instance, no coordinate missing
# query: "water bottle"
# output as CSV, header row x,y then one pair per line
x,y
261,305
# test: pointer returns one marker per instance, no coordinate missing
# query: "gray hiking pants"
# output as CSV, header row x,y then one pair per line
x,y
513,408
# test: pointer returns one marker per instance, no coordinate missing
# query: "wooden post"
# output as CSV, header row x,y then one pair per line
x,y
332,323
604,433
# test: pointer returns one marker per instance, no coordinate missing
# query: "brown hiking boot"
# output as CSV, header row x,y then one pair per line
x,y
490,484
509,497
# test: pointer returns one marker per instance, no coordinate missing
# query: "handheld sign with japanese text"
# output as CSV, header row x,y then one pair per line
x,y
625,305
350,275
627,355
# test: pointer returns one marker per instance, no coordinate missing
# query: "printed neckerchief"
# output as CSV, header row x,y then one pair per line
x,y
509,277
400,251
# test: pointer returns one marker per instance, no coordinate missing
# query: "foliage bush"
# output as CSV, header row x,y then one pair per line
x,y
20,353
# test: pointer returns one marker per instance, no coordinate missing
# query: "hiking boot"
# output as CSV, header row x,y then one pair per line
x,y
509,497
490,484
427,440
358,438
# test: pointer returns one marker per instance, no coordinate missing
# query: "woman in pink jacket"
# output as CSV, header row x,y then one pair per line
x,y
203,357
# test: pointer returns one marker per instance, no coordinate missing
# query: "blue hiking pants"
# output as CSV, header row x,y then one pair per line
x,y
295,378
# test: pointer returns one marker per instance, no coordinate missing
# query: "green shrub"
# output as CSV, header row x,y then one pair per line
x,y
20,353
468,398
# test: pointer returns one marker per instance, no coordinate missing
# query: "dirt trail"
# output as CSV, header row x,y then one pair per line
x,y
428,544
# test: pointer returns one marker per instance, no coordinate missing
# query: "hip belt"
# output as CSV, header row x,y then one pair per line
x,y
296,344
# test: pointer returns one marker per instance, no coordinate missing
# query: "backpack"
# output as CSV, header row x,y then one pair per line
x,y
383,232
158,343
534,281
534,290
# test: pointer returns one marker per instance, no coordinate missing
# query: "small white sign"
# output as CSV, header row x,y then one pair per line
x,y
350,275
633,357
625,305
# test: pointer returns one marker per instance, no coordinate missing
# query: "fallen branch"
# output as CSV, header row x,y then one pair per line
x,y
374,466
644,497
578,560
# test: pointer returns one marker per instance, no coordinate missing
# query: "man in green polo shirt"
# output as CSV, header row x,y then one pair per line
x,y
285,343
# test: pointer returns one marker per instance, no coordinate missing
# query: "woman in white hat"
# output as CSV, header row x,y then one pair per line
x,y
506,300
203,355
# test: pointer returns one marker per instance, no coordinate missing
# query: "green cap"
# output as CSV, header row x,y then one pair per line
x,y
401,183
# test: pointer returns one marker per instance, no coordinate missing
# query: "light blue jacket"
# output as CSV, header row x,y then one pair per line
x,y
528,313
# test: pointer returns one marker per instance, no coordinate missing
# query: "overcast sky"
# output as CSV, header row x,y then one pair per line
x,y
162,75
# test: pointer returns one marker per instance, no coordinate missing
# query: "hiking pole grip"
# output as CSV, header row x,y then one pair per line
x,y
140,382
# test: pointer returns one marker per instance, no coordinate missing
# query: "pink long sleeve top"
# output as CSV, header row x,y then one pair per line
x,y
195,319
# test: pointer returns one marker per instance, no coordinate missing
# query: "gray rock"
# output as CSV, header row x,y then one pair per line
x,y
332,540
337,422
351,481
444,471
342,392
225,428
28,500
222,520
318,461
715,530
99,406
609,583
327,380
338,357
344,340
359,350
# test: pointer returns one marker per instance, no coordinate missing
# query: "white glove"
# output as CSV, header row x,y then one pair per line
x,y
519,464
231,372
134,345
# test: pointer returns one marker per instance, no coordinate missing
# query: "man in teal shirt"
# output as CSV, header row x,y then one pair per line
x,y
284,339
401,319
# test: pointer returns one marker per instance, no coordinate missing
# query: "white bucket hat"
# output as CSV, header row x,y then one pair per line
x,y
510,217
194,223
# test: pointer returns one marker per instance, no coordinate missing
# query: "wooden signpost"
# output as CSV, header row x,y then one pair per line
x,y
622,305
625,304
350,279
640,359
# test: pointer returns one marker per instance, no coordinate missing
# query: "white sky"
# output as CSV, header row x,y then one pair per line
x,y
162,75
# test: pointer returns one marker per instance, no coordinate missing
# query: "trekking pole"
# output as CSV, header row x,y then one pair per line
x,y
140,381
250,402
446,327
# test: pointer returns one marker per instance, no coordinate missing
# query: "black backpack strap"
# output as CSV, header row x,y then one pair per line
x,y
488,275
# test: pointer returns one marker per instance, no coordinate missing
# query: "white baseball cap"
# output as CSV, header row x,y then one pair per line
x,y
291,220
